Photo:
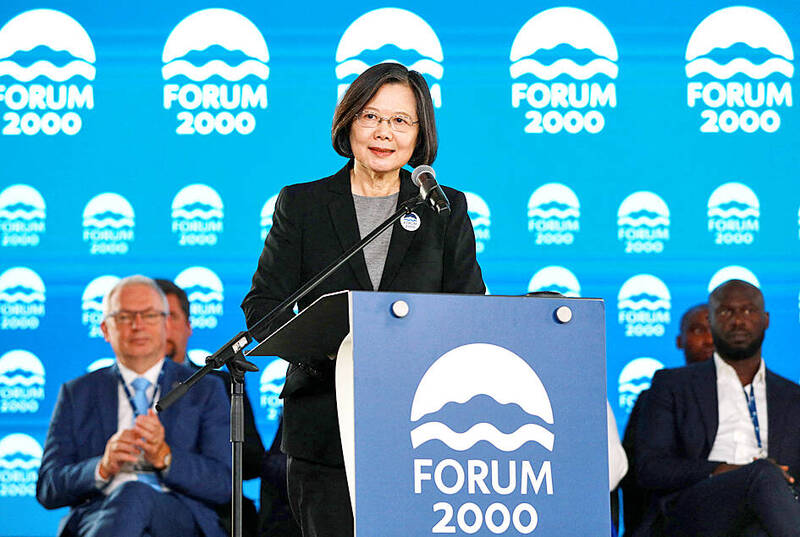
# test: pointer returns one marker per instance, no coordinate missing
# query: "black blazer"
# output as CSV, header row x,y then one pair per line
x,y
313,224
678,424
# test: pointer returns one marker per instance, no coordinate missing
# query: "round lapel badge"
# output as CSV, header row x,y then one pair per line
x,y
410,222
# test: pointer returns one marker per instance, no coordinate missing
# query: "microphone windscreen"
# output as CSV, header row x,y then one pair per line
x,y
419,170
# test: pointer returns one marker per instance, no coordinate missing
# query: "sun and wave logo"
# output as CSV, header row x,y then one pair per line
x,y
22,216
564,58
24,38
92,303
481,369
41,50
643,223
22,299
205,292
267,212
272,380
390,35
216,63
481,218
197,214
739,59
732,272
20,458
482,410
733,214
554,214
555,279
21,382
635,378
108,224
644,304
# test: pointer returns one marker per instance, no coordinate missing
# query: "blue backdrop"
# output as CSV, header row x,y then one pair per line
x,y
639,152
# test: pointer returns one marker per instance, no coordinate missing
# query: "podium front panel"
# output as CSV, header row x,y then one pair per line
x,y
479,415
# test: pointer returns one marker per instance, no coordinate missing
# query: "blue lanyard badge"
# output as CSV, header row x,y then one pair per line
x,y
751,406
128,392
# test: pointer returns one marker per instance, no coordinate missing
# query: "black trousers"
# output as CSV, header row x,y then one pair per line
x,y
754,500
319,499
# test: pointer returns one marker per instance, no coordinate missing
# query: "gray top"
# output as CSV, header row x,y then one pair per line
x,y
370,213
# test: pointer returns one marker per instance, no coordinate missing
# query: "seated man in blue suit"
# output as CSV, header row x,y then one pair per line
x,y
719,441
123,469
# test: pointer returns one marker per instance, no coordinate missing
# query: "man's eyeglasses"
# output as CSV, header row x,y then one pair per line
x,y
126,318
370,119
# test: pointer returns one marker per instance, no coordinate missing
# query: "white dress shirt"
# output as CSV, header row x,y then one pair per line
x,y
125,419
736,442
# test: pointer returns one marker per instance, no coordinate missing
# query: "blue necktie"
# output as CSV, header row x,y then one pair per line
x,y
140,407
140,403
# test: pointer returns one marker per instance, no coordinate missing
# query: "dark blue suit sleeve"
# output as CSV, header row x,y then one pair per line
x,y
662,462
64,479
204,473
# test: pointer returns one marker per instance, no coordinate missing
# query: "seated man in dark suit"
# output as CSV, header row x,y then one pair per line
x,y
274,518
718,441
695,341
123,469
179,329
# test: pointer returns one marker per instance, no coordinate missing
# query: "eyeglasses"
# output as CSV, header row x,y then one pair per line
x,y
126,318
370,119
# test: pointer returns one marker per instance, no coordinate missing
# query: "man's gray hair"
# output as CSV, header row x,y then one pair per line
x,y
136,279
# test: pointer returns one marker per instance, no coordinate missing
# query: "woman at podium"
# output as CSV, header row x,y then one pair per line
x,y
384,122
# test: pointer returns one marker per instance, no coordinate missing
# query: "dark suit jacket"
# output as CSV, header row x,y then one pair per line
x,y
313,224
679,422
635,499
85,417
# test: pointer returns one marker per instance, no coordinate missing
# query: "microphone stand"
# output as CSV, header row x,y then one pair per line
x,y
232,354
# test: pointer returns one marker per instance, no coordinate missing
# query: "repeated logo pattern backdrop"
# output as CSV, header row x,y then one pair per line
x,y
636,152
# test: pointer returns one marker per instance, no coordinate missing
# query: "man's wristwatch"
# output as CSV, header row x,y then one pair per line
x,y
166,459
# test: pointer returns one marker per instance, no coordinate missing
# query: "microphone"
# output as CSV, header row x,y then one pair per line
x,y
425,178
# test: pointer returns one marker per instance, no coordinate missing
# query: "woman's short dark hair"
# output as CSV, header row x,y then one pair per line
x,y
364,88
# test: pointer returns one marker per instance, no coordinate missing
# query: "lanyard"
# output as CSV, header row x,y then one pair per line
x,y
751,406
128,392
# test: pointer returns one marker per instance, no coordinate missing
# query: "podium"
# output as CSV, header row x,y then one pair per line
x,y
465,414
